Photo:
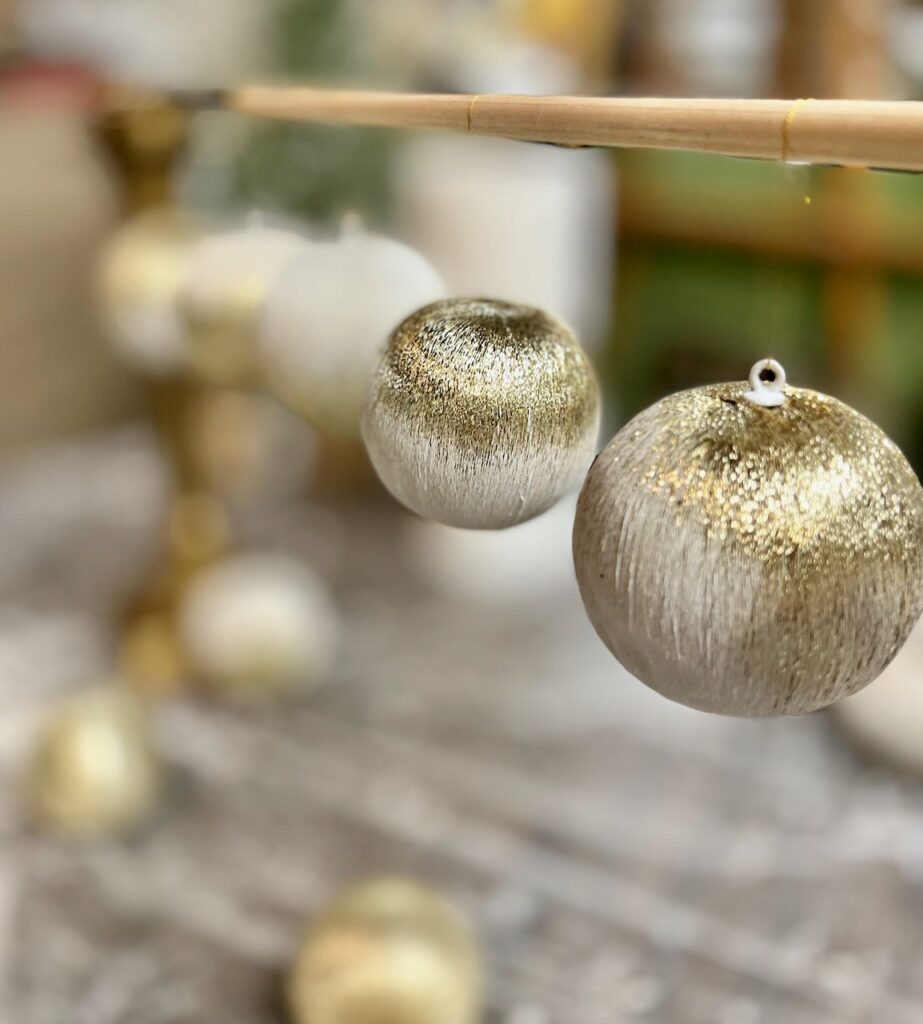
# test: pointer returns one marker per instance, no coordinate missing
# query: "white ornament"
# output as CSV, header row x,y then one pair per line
x,y
259,623
227,280
328,316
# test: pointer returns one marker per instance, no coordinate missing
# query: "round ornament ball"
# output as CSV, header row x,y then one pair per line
x,y
751,548
140,274
386,951
95,771
227,280
327,319
482,413
258,625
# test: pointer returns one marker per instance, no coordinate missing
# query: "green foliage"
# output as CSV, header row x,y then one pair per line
x,y
318,172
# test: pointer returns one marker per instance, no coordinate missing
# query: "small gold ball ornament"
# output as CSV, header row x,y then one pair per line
x,y
482,413
140,274
751,548
386,952
319,348
96,772
226,283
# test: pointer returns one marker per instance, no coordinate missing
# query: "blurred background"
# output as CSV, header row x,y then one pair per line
x,y
325,689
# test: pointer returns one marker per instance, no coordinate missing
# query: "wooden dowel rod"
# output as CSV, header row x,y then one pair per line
x,y
857,133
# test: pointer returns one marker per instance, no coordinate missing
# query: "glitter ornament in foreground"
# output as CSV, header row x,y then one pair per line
x,y
751,558
481,413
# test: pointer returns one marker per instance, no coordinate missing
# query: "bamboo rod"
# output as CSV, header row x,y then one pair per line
x,y
880,134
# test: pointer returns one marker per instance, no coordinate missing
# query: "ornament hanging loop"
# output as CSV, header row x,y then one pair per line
x,y
767,384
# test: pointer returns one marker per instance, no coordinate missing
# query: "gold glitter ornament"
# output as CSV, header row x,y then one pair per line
x,y
226,283
141,271
96,772
386,952
482,413
748,556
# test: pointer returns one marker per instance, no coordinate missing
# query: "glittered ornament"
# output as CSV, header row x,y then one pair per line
x,y
751,548
386,952
96,772
328,317
258,625
222,299
481,413
141,271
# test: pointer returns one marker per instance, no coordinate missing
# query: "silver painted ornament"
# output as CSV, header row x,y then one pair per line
x,y
751,548
482,414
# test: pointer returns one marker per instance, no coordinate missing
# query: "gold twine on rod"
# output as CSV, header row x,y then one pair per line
x,y
787,127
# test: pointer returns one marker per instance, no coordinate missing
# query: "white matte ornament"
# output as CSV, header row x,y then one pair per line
x,y
227,281
256,625
328,316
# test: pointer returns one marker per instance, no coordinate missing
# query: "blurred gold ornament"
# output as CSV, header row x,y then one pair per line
x,y
258,625
386,952
482,413
328,317
222,299
751,549
150,656
141,271
96,772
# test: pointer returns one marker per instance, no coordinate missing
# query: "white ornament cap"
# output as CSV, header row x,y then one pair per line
x,y
767,384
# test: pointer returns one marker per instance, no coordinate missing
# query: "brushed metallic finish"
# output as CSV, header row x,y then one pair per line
x,y
747,560
481,413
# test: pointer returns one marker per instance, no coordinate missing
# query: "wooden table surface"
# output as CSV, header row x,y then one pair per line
x,y
622,859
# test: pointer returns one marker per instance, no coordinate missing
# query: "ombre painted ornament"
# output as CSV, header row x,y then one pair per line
x,y
386,952
751,548
222,298
140,274
96,772
256,626
327,319
481,414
